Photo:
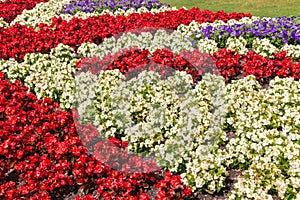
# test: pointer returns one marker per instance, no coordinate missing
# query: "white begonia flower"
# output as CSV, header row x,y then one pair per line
x,y
42,13
271,143
207,45
46,75
264,47
291,50
148,134
237,44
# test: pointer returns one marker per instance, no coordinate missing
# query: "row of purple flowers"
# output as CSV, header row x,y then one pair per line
x,y
97,5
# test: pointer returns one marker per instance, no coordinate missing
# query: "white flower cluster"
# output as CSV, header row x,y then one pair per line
x,y
217,90
206,172
47,75
292,50
237,44
14,70
189,30
92,100
197,158
231,22
264,47
155,106
119,11
42,13
167,119
151,42
207,45
85,49
266,123
84,97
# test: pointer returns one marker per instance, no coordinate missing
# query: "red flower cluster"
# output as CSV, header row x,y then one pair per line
x,y
177,191
42,156
131,62
18,40
228,63
267,68
224,62
10,9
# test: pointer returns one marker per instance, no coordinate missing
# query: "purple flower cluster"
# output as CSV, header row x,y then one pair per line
x,y
98,5
280,30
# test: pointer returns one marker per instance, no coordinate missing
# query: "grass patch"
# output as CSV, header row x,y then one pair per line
x,y
263,8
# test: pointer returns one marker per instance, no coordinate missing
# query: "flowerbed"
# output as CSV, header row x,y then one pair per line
x,y
11,8
93,29
86,100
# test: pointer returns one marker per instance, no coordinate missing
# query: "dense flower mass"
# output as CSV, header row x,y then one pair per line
x,y
94,29
44,12
131,99
278,30
230,64
9,9
96,6
51,75
266,145
41,13
42,155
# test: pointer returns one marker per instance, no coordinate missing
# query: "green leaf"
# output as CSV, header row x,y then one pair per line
x,y
36,28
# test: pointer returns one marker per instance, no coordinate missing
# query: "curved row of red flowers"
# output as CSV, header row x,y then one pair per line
x,y
10,9
42,156
224,62
17,40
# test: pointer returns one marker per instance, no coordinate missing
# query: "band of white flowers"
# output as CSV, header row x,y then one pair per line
x,y
176,42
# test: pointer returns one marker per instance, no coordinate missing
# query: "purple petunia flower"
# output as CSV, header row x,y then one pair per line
x,y
91,5
284,28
